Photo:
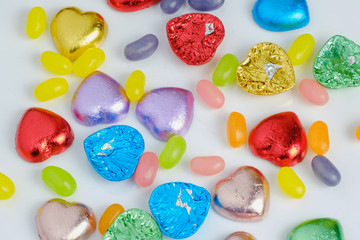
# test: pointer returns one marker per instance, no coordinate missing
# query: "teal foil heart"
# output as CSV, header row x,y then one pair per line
x,y
337,64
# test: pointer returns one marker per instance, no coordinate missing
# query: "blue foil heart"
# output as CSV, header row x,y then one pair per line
x,y
179,208
114,152
281,15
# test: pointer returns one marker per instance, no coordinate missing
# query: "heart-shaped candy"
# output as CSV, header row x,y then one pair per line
x,y
194,37
266,70
59,219
243,196
131,5
99,99
73,31
281,15
280,139
42,134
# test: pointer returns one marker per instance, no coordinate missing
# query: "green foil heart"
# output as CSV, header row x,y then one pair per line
x,y
337,64
318,229
133,224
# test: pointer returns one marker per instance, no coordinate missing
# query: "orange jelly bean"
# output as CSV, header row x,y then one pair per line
x,y
319,138
109,216
236,129
357,133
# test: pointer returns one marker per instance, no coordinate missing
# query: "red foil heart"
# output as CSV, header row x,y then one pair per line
x,y
280,139
42,134
131,5
195,37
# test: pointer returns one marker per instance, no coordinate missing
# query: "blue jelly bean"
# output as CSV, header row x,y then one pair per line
x,y
179,208
142,48
206,5
171,6
114,152
325,170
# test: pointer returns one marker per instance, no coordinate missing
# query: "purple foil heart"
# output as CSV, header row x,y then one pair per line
x,y
99,99
166,112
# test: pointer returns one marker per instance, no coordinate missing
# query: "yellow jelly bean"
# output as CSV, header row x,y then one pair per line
x,y
89,61
135,84
290,183
36,22
56,63
52,88
7,187
301,49
319,138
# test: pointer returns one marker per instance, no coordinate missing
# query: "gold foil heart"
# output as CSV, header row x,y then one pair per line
x,y
73,31
267,70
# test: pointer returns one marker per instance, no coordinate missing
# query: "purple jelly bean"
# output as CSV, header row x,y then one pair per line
x,y
325,170
171,6
142,48
206,5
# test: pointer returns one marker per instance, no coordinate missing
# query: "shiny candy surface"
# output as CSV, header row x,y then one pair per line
x,y
7,187
166,112
171,6
73,31
325,171
108,217
194,37
267,70
51,88
172,152
301,48
99,100
319,138
146,170
133,224
36,22
290,183
337,63
179,208
207,165
206,5
59,219
41,134
236,129
280,139
141,48
210,94
135,85
240,236
114,151
225,72
313,92
59,180
56,63
357,133
243,196
281,15
131,5
89,61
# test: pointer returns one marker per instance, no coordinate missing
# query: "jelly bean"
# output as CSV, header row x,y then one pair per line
x,y
56,63
142,48
7,187
135,84
313,92
225,72
89,61
146,170
319,138
206,5
325,170
290,183
172,152
59,180
207,165
52,88
357,133
109,216
36,22
301,48
236,129
210,93
171,6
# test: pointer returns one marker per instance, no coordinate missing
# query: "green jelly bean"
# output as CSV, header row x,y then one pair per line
x,y
59,180
225,72
172,152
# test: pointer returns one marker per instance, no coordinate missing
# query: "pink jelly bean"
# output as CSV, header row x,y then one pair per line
x,y
207,165
313,92
146,170
210,93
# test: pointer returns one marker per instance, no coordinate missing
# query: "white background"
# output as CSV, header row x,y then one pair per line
x,y
21,71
